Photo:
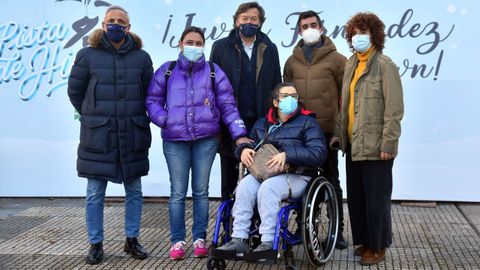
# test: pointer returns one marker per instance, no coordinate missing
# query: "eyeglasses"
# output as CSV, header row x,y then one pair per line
x,y
284,95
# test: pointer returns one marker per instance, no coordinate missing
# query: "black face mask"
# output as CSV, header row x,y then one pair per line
x,y
116,32
249,29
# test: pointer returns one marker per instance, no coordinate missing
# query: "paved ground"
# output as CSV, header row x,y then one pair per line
x,y
50,234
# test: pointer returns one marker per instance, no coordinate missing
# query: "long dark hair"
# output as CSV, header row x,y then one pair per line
x,y
194,29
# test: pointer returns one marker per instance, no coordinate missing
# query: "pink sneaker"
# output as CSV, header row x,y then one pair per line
x,y
176,251
199,249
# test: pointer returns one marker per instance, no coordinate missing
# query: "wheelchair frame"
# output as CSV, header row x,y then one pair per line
x,y
319,225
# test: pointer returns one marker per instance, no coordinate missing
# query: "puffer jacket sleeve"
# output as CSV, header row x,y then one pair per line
x,y
78,80
287,70
226,104
257,128
340,70
147,74
258,131
313,152
156,97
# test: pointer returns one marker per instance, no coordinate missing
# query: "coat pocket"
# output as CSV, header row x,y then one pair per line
x,y
372,99
373,88
141,134
372,138
95,134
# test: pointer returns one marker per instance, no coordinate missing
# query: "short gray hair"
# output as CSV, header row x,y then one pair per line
x,y
116,7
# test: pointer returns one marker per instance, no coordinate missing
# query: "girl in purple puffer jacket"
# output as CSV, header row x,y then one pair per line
x,y
188,108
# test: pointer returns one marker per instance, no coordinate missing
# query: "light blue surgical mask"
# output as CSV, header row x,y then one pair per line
x,y
288,105
192,53
361,43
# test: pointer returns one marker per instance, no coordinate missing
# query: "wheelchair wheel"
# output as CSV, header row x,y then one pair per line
x,y
320,221
216,263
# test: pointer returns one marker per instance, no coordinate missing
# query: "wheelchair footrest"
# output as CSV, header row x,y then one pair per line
x,y
267,255
225,254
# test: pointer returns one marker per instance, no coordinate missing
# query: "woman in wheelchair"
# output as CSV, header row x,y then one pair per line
x,y
301,143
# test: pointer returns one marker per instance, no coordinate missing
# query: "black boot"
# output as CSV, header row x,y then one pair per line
x,y
95,254
341,242
134,248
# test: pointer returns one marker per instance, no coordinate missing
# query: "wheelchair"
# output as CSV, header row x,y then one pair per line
x,y
317,219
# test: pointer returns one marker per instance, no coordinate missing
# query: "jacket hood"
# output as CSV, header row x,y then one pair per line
x,y
326,48
300,111
95,39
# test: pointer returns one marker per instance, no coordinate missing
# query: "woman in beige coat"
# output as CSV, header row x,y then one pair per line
x,y
368,130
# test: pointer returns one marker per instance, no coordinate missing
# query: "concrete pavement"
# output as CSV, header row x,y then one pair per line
x,y
41,233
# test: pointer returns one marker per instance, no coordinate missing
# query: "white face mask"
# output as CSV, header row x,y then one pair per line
x,y
311,36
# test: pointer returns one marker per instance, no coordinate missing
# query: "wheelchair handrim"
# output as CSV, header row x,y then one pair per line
x,y
316,254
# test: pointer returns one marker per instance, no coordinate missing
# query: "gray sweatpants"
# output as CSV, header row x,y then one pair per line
x,y
268,195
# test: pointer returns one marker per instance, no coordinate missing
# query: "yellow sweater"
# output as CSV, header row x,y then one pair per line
x,y
363,58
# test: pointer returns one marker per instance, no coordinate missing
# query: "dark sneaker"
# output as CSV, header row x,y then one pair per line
x,y
237,245
341,242
264,252
264,246
133,247
95,254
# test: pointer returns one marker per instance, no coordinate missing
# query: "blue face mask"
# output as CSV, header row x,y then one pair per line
x,y
192,53
249,29
361,43
116,32
288,105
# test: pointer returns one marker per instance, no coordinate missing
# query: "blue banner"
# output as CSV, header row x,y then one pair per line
x,y
432,42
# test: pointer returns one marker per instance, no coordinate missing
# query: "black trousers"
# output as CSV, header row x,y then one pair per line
x,y
369,194
229,167
330,171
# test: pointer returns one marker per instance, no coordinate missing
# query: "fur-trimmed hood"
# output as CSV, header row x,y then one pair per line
x,y
95,39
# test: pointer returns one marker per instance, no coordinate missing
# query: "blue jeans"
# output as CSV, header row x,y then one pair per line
x,y
181,156
94,208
